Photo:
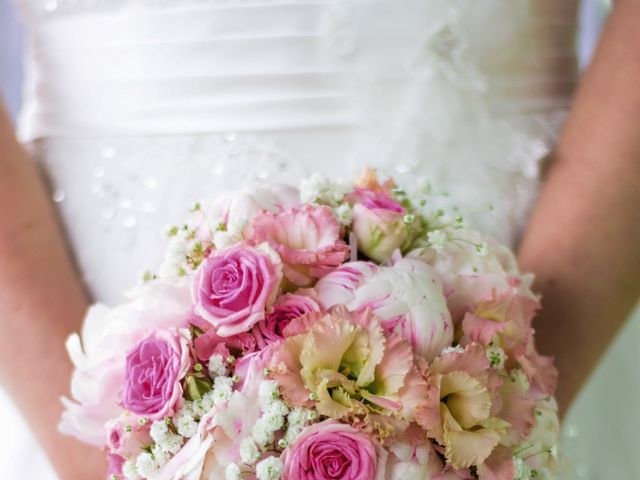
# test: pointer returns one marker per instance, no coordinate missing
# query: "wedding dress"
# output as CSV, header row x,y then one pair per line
x,y
135,109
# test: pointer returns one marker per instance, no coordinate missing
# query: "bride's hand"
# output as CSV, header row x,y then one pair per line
x,y
41,302
583,238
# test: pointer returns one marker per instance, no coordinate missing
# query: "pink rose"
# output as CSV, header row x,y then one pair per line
x,y
154,369
126,437
288,307
234,286
329,450
99,353
309,240
378,224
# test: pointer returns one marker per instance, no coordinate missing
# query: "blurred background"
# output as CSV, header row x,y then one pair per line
x,y
593,14
10,56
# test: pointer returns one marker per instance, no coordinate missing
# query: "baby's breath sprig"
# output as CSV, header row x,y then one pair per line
x,y
199,252
481,247
320,190
197,208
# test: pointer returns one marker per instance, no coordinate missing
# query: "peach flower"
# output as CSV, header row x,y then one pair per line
x,y
461,419
346,366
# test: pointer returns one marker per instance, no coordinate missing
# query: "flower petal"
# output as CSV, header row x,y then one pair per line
x,y
472,360
285,369
480,329
465,448
396,363
518,409
499,465
467,400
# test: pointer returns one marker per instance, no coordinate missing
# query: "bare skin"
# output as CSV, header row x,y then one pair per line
x,y
41,302
588,211
582,241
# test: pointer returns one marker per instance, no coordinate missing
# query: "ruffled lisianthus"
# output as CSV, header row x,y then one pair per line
x,y
344,365
495,308
462,415
233,287
332,450
308,239
154,369
406,296
491,302
99,353
541,374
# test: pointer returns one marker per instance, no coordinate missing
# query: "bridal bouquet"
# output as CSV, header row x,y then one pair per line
x,y
343,331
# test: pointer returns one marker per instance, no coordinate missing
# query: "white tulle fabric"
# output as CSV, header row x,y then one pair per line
x,y
137,108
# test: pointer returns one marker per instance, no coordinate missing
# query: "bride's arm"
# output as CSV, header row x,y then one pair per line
x,y
41,302
583,241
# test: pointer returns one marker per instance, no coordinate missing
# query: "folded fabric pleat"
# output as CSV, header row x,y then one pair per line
x,y
145,68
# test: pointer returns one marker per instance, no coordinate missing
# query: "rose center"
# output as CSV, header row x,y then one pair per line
x,y
335,464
